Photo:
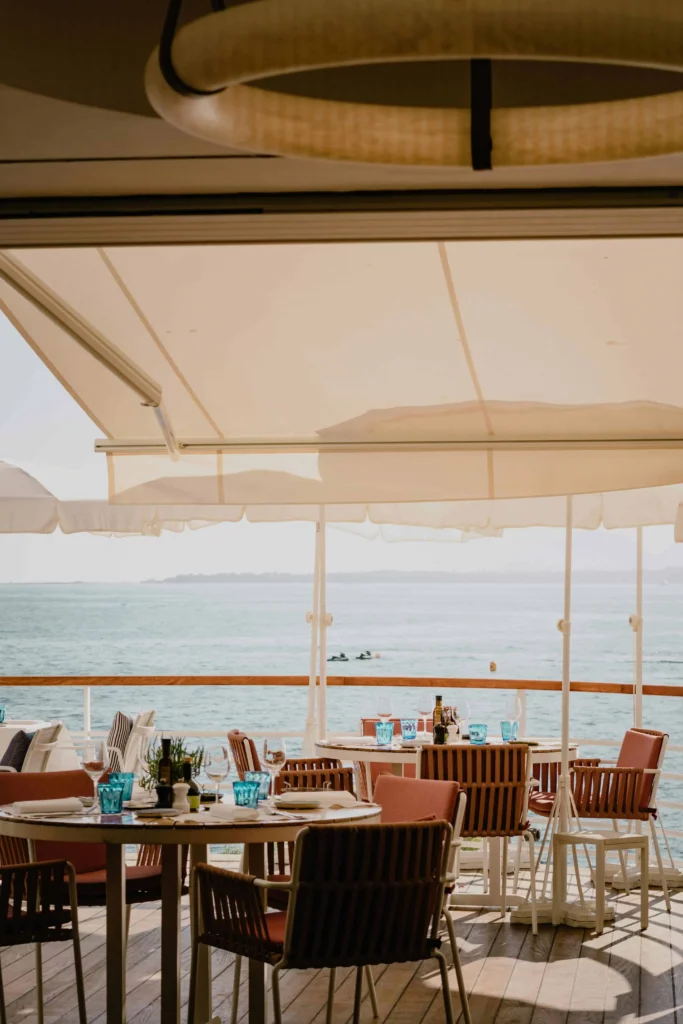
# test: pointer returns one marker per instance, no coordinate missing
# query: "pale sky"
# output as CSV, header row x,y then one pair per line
x,y
45,432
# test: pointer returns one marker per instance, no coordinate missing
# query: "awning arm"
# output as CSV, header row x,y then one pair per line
x,y
141,446
88,337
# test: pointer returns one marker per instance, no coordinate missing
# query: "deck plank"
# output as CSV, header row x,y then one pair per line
x,y
554,995
561,976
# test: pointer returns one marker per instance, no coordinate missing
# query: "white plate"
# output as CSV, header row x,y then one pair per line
x,y
157,812
302,803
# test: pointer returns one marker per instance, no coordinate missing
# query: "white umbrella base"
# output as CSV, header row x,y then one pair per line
x,y
575,915
673,876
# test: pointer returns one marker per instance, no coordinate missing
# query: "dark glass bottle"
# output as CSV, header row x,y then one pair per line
x,y
439,729
194,795
166,764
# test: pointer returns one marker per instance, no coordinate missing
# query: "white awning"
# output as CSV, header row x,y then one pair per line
x,y
384,373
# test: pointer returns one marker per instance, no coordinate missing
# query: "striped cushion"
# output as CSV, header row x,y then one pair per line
x,y
118,737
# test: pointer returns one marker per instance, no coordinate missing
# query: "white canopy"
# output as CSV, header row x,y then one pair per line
x,y
373,372
26,506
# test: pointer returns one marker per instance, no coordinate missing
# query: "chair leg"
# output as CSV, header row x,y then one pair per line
x,y
78,966
277,1005
575,857
330,995
371,990
672,862
455,953
504,878
445,987
660,864
356,996
236,990
599,889
485,863
3,1008
39,983
529,836
547,836
644,890
192,996
518,863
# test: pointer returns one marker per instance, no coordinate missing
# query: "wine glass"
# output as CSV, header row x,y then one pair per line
x,y
513,712
95,761
385,710
217,765
274,757
424,710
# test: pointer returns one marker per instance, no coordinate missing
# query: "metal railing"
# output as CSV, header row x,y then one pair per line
x,y
522,687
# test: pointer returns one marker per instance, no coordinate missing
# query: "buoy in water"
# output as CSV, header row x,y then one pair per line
x,y
493,666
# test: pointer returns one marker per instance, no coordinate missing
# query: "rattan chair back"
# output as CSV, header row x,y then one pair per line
x,y
244,752
35,903
495,779
366,894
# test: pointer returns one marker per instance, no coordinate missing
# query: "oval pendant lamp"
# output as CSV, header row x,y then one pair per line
x,y
210,79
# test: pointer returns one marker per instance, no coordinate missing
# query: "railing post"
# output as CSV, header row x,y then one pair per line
x,y
87,717
522,716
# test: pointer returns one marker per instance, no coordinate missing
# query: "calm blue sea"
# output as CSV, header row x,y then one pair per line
x,y
447,629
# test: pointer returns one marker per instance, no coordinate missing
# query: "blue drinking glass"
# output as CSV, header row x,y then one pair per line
x,y
3,708
246,793
384,733
506,730
111,798
515,731
263,780
478,733
125,780
409,728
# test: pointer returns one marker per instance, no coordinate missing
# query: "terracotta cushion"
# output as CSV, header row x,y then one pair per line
x,y
143,882
52,786
408,800
542,803
276,922
641,750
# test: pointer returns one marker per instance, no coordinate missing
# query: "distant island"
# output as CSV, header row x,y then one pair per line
x,y
673,574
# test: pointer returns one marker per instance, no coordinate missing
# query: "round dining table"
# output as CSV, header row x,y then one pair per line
x,y
358,750
197,831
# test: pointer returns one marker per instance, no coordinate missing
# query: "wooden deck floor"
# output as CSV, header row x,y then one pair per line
x,y
561,975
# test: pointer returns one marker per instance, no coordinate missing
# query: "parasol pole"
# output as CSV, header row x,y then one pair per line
x,y
312,618
636,623
566,628
324,622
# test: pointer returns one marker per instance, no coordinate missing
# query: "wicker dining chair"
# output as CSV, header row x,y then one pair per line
x,y
143,879
38,903
360,895
279,855
369,771
244,752
627,790
411,800
543,802
497,781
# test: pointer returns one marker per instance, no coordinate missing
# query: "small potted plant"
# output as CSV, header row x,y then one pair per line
x,y
178,753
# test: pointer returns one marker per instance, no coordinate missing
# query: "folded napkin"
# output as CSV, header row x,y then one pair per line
x,y
228,812
67,805
325,797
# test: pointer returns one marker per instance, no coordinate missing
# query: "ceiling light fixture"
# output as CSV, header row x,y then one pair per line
x,y
211,79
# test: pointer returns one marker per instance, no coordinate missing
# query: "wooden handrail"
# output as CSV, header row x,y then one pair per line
x,y
431,682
